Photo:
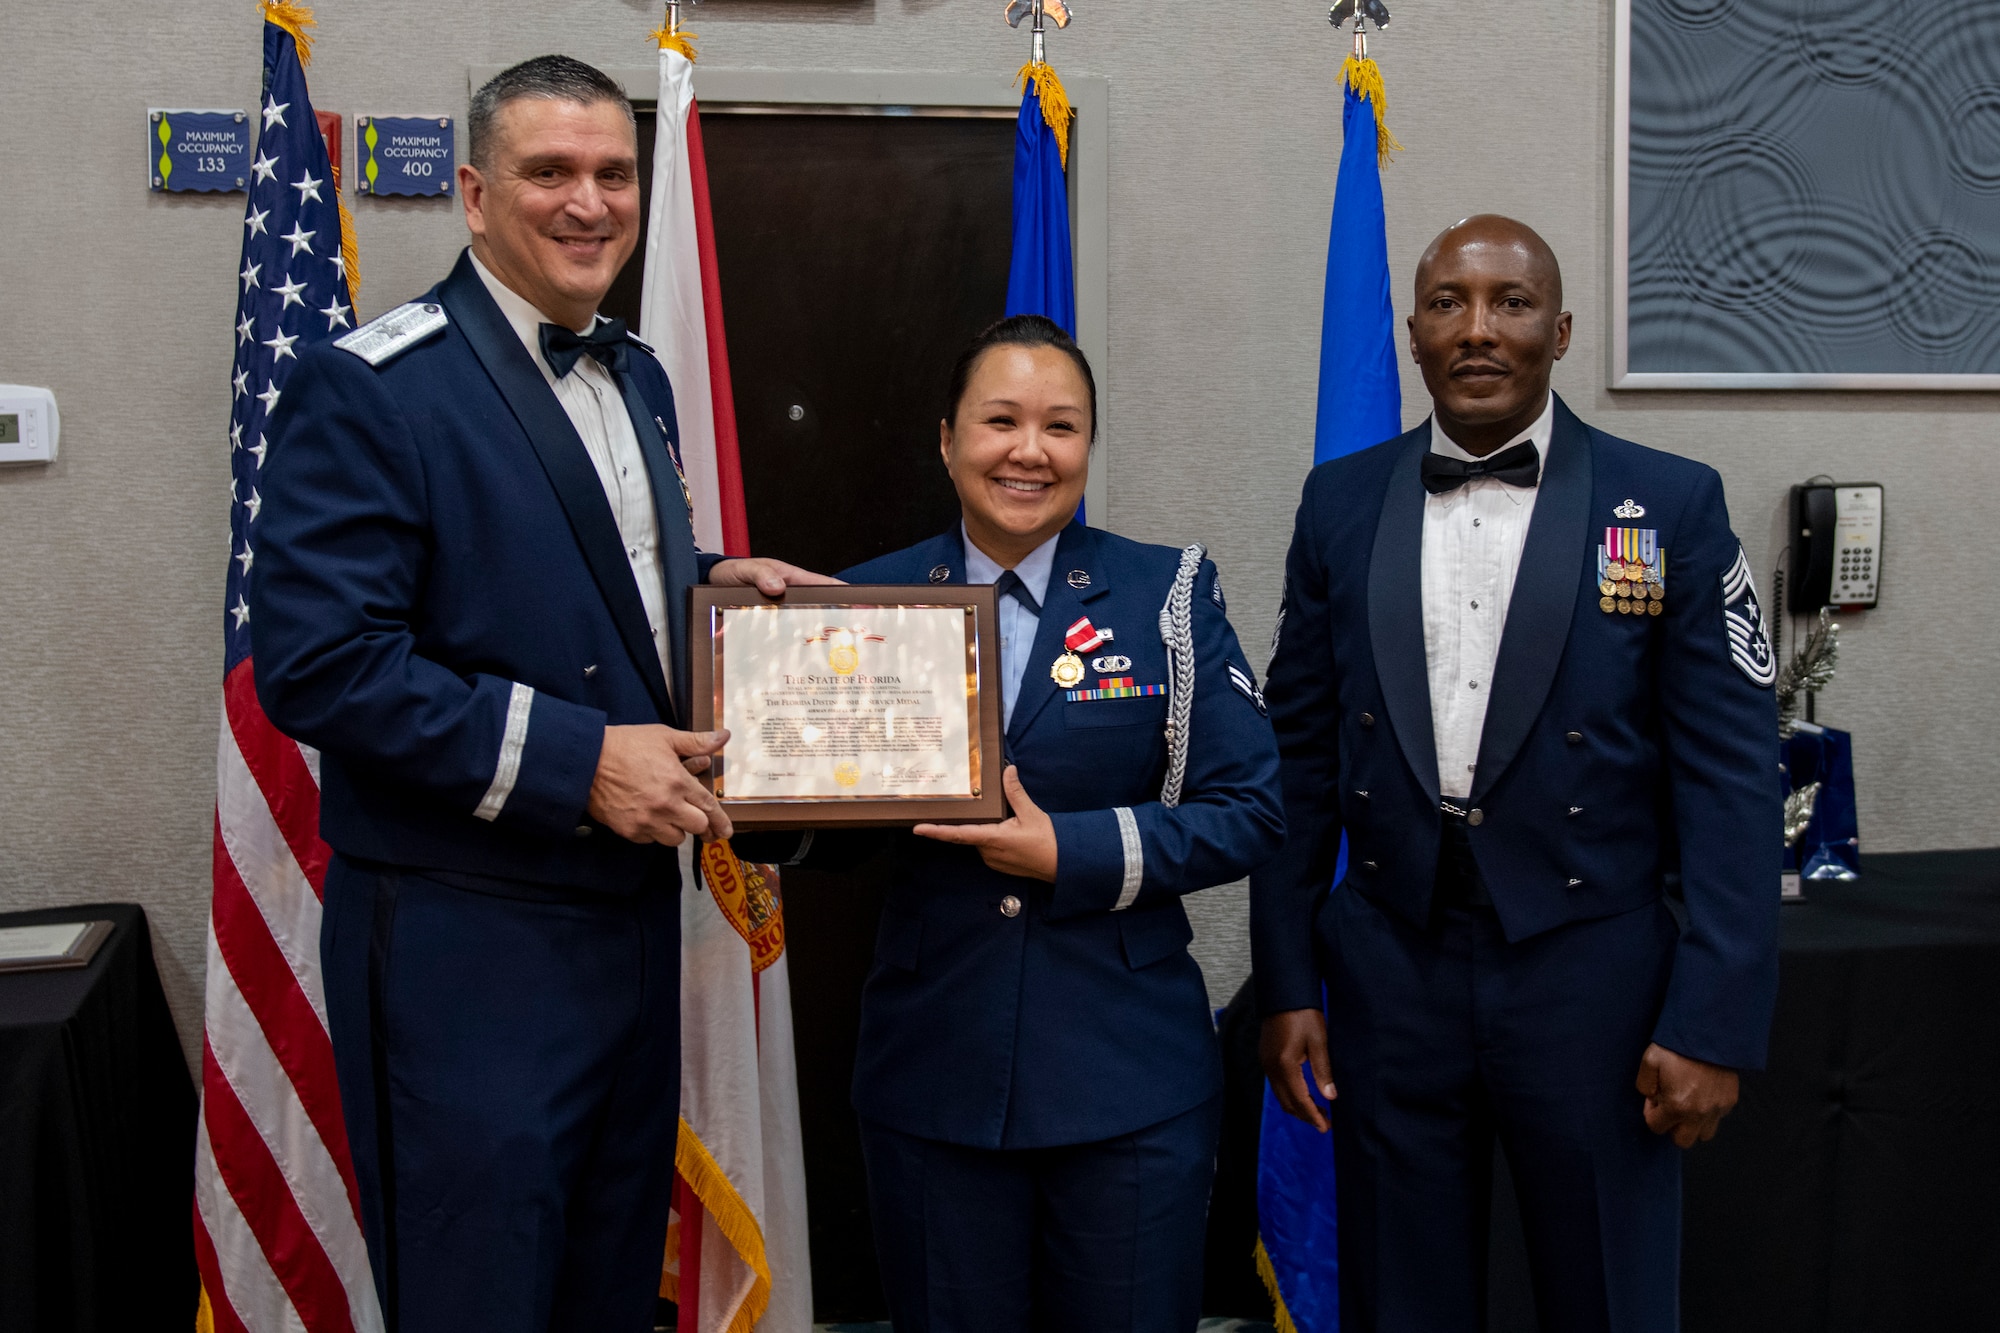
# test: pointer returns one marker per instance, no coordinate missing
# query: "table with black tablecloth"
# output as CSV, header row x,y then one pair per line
x,y
1856,1188
97,1116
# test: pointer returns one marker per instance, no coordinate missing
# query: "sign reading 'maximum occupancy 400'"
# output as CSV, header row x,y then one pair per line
x,y
404,154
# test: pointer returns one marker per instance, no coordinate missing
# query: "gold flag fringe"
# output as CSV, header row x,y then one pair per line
x,y
1269,1274
1364,76
294,19
733,1219
1057,113
350,249
682,41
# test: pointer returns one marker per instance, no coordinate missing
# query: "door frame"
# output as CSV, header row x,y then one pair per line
x,y
723,91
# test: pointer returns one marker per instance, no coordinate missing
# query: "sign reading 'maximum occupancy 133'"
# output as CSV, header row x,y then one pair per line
x,y
404,154
197,150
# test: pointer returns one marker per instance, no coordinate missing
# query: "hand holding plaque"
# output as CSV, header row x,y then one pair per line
x,y
850,706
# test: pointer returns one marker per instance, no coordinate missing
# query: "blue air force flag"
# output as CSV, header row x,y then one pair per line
x,y
1040,278
1360,404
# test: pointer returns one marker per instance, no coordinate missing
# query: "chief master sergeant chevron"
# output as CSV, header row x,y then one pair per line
x,y
1520,664
470,594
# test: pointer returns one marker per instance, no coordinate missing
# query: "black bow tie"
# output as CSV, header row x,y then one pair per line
x,y
561,347
1519,466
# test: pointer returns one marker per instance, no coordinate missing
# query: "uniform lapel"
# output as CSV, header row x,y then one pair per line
x,y
1544,601
946,552
674,524
563,458
1396,612
1063,603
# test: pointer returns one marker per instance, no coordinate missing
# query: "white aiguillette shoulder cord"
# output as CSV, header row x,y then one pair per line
x,y
1177,633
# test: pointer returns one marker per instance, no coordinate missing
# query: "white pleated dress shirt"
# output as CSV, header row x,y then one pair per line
x,y
1018,624
589,394
1473,537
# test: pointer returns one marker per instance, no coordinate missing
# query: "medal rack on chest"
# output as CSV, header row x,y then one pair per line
x,y
1631,569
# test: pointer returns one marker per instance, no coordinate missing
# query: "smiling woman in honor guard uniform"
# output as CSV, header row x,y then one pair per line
x,y
1038,1078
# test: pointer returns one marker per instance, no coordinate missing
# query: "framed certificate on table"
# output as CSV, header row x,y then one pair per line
x,y
851,705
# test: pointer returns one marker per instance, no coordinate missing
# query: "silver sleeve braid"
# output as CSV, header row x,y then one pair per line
x,y
1177,633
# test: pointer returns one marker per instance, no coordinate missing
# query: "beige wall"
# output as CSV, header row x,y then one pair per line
x,y
1223,141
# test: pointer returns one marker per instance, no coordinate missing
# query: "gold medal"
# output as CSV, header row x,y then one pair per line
x,y
1625,606
1656,608
1067,671
1607,587
1656,592
1618,570
1608,602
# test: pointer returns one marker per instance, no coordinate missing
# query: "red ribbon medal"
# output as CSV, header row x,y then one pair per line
x,y
1082,637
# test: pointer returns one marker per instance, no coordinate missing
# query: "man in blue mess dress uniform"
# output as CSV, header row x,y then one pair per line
x,y
470,594
1522,667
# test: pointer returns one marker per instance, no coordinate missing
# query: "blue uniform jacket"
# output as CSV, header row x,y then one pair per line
x,y
1619,751
440,602
1083,1017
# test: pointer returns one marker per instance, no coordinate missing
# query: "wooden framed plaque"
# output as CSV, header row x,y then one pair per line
x,y
851,705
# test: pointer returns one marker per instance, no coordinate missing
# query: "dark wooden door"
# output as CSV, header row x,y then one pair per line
x,y
858,254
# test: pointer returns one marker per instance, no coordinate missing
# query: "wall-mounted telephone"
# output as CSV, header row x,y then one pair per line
x,y
1836,546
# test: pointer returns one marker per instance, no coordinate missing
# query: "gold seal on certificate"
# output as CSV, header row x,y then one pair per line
x,y
851,705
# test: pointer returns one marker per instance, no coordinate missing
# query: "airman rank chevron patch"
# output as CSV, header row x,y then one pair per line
x,y
1247,687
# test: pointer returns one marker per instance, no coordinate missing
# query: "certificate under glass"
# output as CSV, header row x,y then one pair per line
x,y
850,705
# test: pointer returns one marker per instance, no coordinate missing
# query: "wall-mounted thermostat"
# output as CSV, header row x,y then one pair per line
x,y
28,425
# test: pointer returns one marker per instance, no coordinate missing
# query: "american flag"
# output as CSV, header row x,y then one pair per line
x,y
277,1213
